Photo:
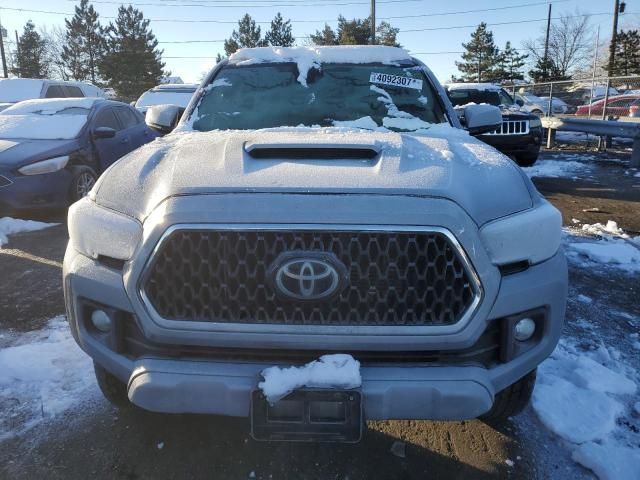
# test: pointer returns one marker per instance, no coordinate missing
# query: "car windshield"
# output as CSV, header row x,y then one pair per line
x,y
461,97
352,95
63,124
168,97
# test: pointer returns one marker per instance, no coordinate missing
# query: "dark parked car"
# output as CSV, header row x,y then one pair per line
x,y
520,134
52,150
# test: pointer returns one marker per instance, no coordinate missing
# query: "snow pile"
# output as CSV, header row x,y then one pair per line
x,y
337,370
312,57
581,396
49,106
614,247
555,168
43,374
9,226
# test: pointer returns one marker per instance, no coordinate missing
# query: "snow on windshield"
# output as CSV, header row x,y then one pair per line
x,y
17,89
50,106
148,99
45,120
312,57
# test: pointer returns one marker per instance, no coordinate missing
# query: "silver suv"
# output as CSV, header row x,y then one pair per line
x,y
316,201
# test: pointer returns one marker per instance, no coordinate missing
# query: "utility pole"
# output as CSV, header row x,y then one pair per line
x,y
479,66
546,44
614,38
373,22
17,51
4,59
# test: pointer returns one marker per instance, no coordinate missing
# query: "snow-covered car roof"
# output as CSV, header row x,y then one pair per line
x,y
472,86
175,86
49,106
316,55
18,89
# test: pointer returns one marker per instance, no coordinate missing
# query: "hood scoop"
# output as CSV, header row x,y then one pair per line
x,y
315,151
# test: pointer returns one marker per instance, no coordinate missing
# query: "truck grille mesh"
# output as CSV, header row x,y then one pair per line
x,y
404,278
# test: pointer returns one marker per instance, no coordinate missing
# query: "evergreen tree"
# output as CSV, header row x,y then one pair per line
x,y
84,44
356,32
510,64
280,33
481,56
547,71
30,57
132,62
247,36
325,37
627,61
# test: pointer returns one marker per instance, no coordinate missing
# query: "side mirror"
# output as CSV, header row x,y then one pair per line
x,y
163,118
104,132
481,119
520,102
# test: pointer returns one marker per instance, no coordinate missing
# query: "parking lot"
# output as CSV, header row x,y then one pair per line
x,y
86,437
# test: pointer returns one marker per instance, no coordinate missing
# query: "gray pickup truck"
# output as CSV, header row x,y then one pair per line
x,y
317,201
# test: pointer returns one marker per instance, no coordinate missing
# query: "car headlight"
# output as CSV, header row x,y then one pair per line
x,y
535,122
45,166
97,231
532,236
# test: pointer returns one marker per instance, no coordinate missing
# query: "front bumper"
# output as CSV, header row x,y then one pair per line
x,y
33,192
390,390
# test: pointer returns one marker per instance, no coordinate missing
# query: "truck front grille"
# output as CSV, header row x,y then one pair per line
x,y
395,278
512,127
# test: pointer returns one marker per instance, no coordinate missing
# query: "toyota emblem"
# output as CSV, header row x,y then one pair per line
x,y
307,275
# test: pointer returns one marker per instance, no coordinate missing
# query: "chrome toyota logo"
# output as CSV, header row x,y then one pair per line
x,y
307,275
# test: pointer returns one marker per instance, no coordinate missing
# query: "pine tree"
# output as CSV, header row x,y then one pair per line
x,y
247,36
546,72
627,61
510,64
30,57
325,37
84,44
356,32
280,33
481,56
132,63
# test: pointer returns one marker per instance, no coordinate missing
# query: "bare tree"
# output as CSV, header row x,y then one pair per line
x,y
570,47
54,41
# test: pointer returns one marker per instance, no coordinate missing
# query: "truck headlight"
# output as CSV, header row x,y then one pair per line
x,y
533,236
97,231
45,166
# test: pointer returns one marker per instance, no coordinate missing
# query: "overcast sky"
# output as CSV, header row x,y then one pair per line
x,y
438,33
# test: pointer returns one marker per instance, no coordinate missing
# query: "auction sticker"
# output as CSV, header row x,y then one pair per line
x,y
395,80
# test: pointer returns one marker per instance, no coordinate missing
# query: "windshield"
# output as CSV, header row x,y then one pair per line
x,y
363,96
180,98
59,125
462,97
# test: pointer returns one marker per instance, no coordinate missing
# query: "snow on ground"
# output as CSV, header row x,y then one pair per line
x,y
44,373
337,370
9,226
584,397
556,168
611,246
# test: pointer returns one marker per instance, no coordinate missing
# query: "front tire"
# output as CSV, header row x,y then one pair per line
x,y
113,389
84,178
527,159
512,400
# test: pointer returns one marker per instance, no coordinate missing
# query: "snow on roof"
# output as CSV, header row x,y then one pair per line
x,y
312,56
176,86
48,106
18,89
472,86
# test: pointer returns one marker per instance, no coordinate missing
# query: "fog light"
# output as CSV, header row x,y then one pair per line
x,y
524,329
101,320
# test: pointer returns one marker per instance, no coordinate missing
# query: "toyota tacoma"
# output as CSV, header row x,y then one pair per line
x,y
316,201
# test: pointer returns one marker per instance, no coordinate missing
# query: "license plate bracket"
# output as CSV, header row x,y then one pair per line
x,y
308,415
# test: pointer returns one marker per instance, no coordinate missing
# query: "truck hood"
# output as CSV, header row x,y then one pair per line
x,y
440,162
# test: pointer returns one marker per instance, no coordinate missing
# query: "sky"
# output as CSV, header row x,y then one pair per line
x,y
433,32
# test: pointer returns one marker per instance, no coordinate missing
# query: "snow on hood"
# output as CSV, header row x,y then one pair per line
x,y
312,56
439,162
